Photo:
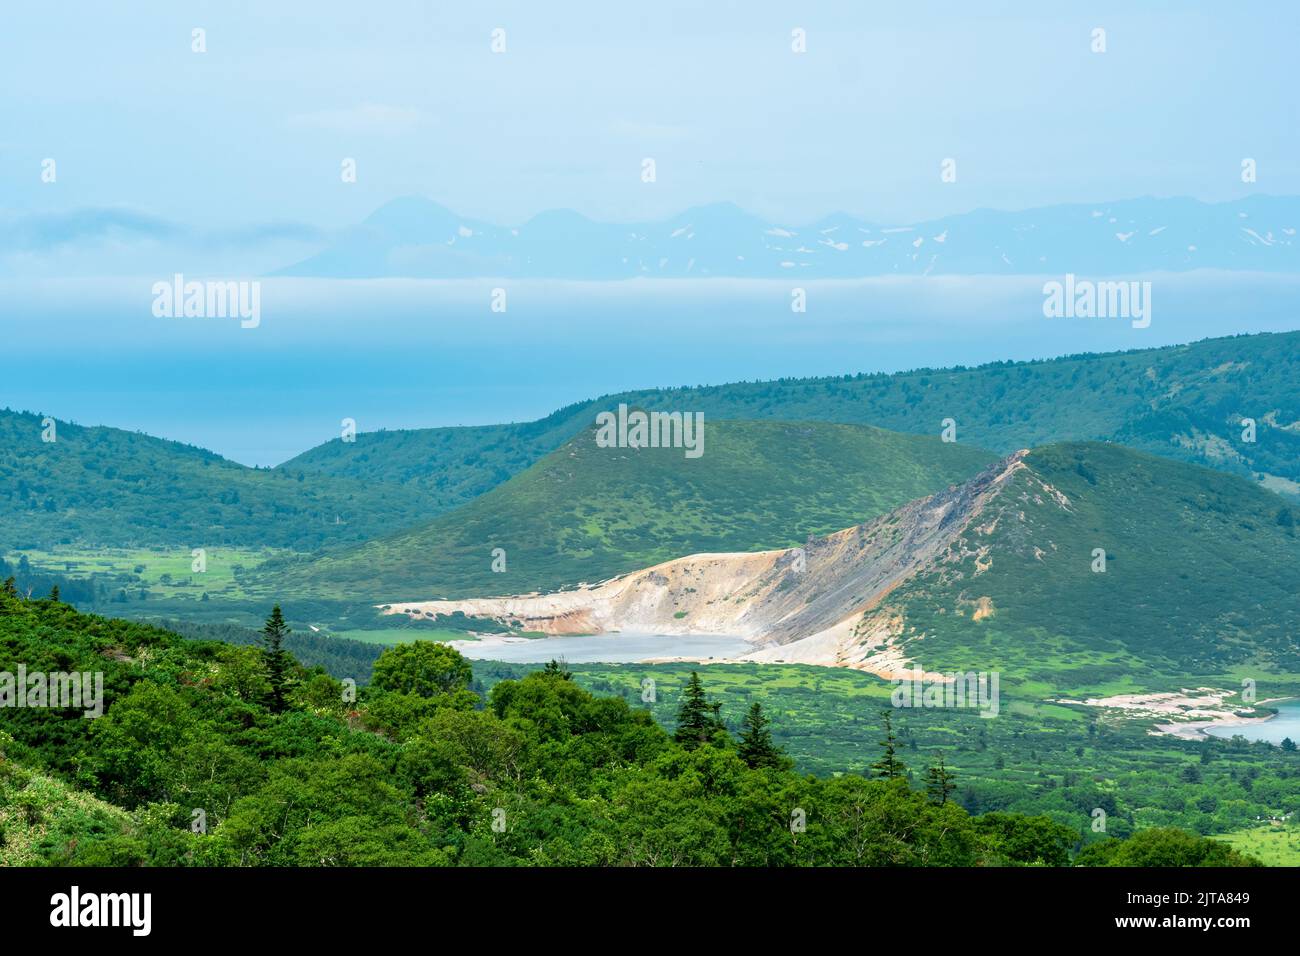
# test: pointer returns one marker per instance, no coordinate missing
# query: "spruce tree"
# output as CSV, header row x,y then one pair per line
x,y
697,719
889,766
939,783
558,669
54,593
756,746
10,588
278,661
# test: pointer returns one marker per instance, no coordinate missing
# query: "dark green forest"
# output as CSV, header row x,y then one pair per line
x,y
216,754
1181,401
108,486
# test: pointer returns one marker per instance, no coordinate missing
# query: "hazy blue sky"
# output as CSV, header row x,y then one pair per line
x,y
231,158
254,130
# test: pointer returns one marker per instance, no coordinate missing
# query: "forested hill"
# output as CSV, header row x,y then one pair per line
x,y
212,754
1185,402
107,486
587,513
1073,566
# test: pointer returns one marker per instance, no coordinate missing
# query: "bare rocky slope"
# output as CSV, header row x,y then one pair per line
x,y
818,604
1072,565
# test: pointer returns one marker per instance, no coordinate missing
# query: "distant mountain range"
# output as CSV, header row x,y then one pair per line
x,y
417,238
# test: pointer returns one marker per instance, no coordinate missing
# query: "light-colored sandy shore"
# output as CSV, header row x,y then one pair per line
x,y
1197,729
1199,709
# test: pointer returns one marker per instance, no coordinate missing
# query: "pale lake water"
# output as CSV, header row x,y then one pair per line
x,y
1285,724
603,648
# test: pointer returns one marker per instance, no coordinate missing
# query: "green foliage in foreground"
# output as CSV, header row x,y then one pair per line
x,y
1161,847
340,657
586,513
189,766
1034,759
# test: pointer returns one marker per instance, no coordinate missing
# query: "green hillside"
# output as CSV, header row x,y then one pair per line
x,y
106,486
1035,758
1202,576
41,815
449,465
194,763
1183,402
586,513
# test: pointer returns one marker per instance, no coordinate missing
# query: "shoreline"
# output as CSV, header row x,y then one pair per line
x,y
1199,729
1205,704
486,643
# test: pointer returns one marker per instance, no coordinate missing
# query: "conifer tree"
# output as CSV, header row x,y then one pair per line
x,y
54,593
889,766
939,783
756,746
558,669
697,719
10,588
278,661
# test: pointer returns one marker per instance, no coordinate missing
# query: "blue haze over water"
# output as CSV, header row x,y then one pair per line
x,y
416,353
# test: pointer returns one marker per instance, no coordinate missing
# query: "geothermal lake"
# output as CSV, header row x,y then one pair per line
x,y
602,648
1285,724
